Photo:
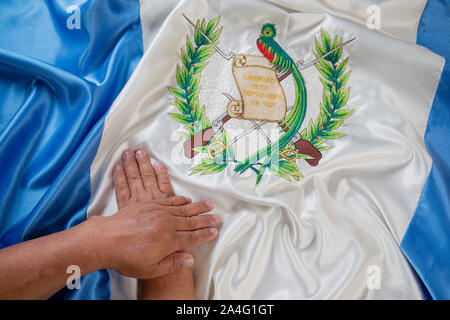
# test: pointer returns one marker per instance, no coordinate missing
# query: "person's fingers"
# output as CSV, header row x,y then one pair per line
x,y
172,263
190,239
133,174
147,173
192,209
196,222
121,187
174,201
163,180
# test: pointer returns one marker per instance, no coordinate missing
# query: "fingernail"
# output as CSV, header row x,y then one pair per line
x,y
213,231
140,153
188,199
128,154
188,263
216,217
209,203
158,165
118,166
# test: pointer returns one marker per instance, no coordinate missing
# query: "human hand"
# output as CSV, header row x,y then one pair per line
x,y
138,181
149,230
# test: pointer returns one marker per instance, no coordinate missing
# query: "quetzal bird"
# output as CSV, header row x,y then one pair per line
x,y
281,62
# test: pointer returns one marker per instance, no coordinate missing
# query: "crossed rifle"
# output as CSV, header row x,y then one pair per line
x,y
203,137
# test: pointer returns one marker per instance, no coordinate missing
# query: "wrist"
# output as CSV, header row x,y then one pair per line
x,y
95,243
174,286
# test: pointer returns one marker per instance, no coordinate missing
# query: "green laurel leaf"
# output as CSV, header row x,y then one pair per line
x,y
342,81
201,149
204,53
185,60
312,129
324,71
212,24
326,40
332,135
180,117
180,77
334,124
181,105
343,114
198,67
326,66
327,84
320,50
214,36
189,47
286,169
178,93
343,99
340,69
323,148
304,134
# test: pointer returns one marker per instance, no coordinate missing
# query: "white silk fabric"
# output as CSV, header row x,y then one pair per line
x,y
321,237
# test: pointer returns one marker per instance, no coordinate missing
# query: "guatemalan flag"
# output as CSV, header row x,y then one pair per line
x,y
357,205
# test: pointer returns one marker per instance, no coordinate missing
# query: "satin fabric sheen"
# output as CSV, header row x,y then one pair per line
x,y
315,239
56,85
427,240
399,18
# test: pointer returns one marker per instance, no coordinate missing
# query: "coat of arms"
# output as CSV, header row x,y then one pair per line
x,y
262,100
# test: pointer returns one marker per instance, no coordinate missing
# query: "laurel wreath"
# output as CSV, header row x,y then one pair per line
x,y
335,95
192,116
188,74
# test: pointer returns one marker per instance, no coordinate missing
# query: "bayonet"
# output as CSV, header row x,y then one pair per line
x,y
217,125
301,63
309,64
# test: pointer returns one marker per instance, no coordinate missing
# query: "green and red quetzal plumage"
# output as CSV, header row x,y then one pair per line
x,y
281,62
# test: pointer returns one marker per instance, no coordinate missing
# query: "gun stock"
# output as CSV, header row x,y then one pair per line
x,y
306,147
200,139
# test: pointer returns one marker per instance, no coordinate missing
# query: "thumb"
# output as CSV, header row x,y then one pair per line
x,y
172,263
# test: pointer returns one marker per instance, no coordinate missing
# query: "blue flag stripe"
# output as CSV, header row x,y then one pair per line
x,y
427,240
57,85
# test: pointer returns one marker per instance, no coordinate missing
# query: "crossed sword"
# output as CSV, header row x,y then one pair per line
x,y
202,138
